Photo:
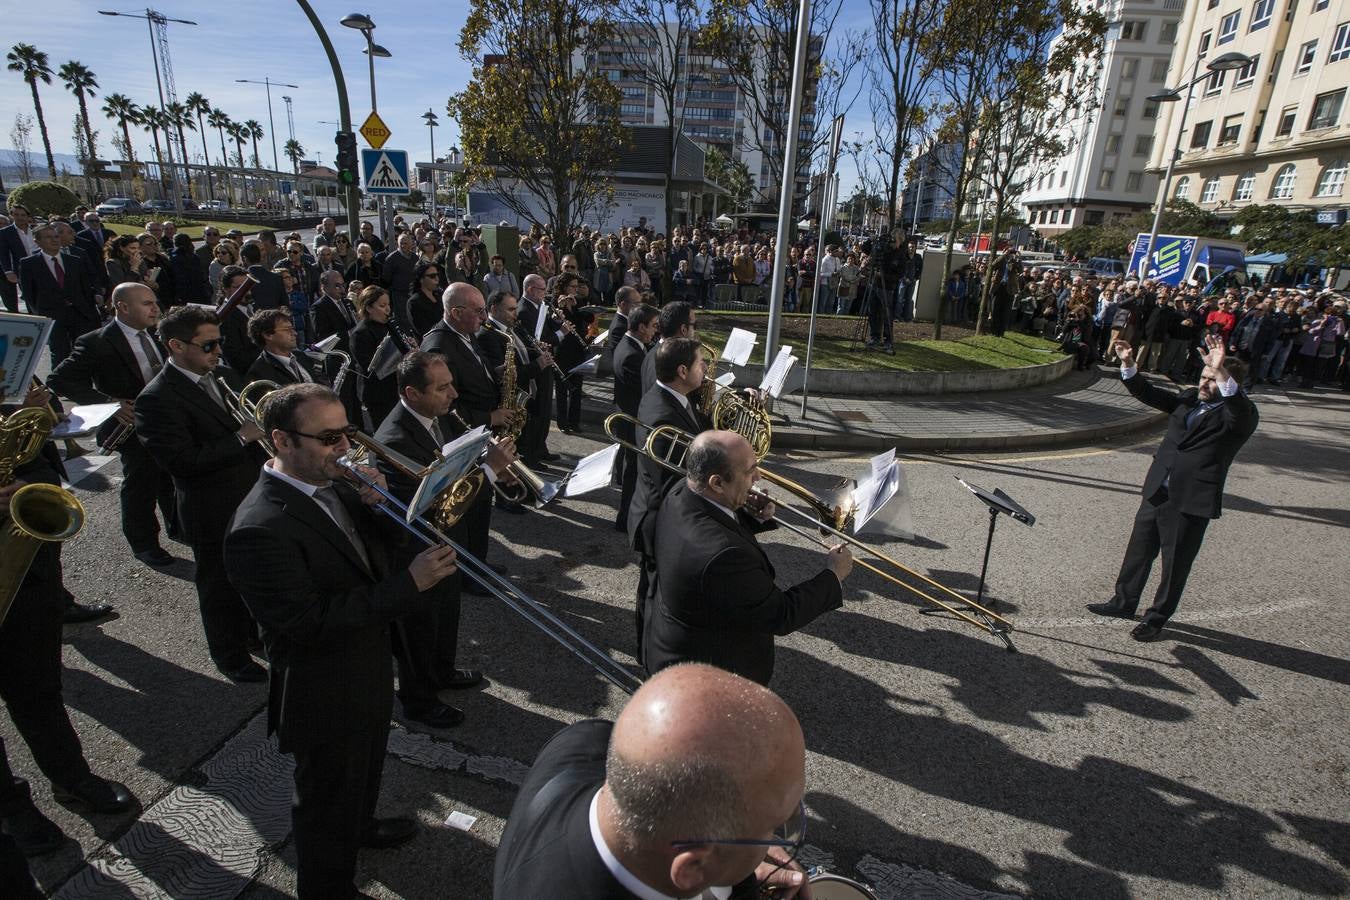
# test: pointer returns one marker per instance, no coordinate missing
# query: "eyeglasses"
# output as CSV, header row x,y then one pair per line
x,y
791,836
210,346
329,438
292,252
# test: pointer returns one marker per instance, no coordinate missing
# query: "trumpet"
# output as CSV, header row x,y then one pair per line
x,y
517,600
245,407
545,492
666,443
118,436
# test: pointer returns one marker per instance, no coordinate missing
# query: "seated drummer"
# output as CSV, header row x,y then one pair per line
x,y
678,798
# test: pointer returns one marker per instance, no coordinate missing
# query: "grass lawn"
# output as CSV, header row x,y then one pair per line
x,y
915,350
192,231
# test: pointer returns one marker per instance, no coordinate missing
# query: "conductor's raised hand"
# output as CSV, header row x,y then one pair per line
x,y
433,565
1214,353
1125,352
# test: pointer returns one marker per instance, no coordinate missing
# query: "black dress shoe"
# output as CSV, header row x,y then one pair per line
x,y
85,612
1146,633
248,673
155,557
439,715
546,456
463,678
383,833
33,832
1110,609
98,794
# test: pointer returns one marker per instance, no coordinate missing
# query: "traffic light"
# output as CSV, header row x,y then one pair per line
x,y
346,158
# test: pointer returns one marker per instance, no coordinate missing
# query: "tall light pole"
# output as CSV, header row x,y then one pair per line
x,y
364,24
290,117
430,118
1218,64
268,82
344,109
152,19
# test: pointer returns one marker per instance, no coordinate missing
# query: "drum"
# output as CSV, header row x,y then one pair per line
x,y
836,887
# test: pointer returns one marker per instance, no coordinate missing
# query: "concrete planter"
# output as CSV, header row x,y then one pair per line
x,y
874,383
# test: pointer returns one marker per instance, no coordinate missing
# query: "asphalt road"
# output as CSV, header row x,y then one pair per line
x,y
1210,763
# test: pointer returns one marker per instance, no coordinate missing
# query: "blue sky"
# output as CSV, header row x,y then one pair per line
x,y
256,38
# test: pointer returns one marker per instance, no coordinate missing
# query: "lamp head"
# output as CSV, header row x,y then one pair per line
x,y
1228,61
359,21
1164,97
377,51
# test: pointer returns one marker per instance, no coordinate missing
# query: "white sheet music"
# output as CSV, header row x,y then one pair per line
x,y
726,379
459,455
586,368
592,473
739,345
539,322
85,420
776,377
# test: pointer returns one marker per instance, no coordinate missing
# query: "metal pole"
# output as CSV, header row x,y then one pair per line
x,y
383,203
159,85
1167,177
276,165
826,217
344,112
785,223
918,198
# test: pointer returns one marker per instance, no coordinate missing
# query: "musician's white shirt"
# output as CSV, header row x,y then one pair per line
x,y
426,423
628,879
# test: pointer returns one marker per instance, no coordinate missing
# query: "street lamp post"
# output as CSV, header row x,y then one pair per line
x,y
344,110
364,24
268,82
430,118
1218,64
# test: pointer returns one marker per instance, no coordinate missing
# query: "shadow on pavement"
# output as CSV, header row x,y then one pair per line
x,y
1291,659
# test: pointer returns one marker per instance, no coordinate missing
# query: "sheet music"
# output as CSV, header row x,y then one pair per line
x,y
327,344
883,460
85,420
23,340
459,456
539,322
592,473
726,379
740,343
599,339
873,492
776,376
586,368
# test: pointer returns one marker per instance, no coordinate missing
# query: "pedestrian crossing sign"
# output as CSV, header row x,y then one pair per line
x,y
385,171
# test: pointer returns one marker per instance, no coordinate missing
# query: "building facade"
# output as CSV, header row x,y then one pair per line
x,y
927,197
1275,131
1104,173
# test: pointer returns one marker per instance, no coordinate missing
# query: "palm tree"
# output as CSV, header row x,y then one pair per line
x,y
178,116
255,131
126,113
219,121
31,64
238,132
199,105
80,81
293,152
152,119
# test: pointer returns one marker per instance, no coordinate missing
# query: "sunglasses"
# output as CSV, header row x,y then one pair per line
x,y
329,438
210,346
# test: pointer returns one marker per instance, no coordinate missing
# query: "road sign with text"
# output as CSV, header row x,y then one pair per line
x,y
385,171
375,131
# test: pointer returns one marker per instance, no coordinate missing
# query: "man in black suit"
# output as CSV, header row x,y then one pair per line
x,y
714,598
91,240
627,298
629,354
305,552
479,400
16,242
54,284
534,439
183,418
273,332
678,320
1183,489
270,291
94,266
500,335
113,365
617,811
332,312
425,642
239,350
681,366
397,274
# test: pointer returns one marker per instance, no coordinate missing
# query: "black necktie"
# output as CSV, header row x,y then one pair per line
x,y
438,435
151,355
208,383
328,498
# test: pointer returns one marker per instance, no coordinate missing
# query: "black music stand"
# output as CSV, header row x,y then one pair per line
x,y
998,502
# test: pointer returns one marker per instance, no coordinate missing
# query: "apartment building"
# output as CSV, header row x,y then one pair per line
x,y
1104,172
1275,131
928,196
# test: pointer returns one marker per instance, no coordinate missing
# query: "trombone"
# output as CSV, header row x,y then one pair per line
x,y
676,443
496,585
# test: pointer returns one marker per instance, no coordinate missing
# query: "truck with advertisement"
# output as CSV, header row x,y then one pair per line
x,y
1181,258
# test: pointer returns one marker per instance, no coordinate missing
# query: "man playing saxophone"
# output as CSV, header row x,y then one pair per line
x,y
500,340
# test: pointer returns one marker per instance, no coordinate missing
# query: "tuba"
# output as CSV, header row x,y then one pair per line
x,y
38,513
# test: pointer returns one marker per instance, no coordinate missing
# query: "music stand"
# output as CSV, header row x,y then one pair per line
x,y
998,502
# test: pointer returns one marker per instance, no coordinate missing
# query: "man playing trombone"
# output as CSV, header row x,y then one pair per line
x,y
113,365
304,552
715,600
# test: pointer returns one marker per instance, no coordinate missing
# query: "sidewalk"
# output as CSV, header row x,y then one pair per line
x,y
1081,406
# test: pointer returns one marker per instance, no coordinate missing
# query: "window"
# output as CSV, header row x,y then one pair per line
x,y
1228,27
1283,187
633,109
1287,117
1129,68
1150,109
1200,136
1326,110
1210,192
1260,124
1133,30
1133,180
1168,34
1332,180
1159,70
1054,217
1113,143
1232,127
1293,8
1261,13
1275,66
1306,54
1215,82
1243,190
1183,190
1320,5
1143,145
1212,4
1204,45
1340,45
1247,73
1122,107
1105,178
1064,178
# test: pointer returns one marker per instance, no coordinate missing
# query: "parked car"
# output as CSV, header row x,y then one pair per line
x,y
118,206
158,206
1107,267
216,206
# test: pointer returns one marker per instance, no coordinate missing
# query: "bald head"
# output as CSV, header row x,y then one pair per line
x,y
136,305
465,309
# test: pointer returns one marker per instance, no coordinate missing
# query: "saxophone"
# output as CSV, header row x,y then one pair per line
x,y
513,399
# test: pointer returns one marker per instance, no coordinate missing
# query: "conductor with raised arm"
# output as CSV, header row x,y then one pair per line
x,y
1183,489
